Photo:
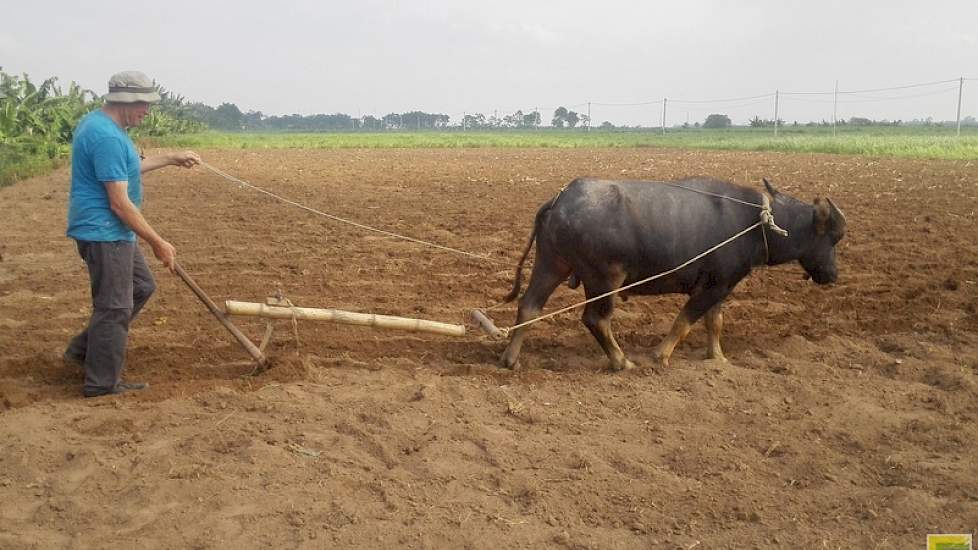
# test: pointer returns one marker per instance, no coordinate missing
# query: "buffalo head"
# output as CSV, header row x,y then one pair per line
x,y
820,232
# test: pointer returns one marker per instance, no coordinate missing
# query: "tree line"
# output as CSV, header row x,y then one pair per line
x,y
229,117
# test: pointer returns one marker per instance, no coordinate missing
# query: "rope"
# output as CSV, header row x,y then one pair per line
x,y
349,222
767,216
717,195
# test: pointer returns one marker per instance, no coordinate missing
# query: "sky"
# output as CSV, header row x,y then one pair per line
x,y
458,56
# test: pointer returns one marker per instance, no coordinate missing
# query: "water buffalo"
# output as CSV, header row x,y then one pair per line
x,y
608,234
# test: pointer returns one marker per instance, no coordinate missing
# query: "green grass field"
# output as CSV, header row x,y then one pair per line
x,y
916,142
927,143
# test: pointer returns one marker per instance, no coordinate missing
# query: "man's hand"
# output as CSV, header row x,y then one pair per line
x,y
187,159
166,253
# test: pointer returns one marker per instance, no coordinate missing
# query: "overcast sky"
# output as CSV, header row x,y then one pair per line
x,y
455,56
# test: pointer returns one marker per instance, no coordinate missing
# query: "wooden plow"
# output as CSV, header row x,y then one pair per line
x,y
278,307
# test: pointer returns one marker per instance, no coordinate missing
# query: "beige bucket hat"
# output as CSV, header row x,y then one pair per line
x,y
131,87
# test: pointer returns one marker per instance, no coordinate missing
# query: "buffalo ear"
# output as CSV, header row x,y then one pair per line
x,y
770,188
823,214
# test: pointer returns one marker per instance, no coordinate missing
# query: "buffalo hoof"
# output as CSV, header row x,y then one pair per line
x,y
624,364
505,363
660,359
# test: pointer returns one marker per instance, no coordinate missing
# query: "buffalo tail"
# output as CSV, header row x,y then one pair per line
x,y
518,278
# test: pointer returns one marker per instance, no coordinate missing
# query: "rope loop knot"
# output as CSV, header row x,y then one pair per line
x,y
767,218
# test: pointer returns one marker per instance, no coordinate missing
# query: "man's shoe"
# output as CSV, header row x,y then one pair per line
x,y
121,387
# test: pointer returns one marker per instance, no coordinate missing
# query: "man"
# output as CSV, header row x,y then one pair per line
x,y
104,220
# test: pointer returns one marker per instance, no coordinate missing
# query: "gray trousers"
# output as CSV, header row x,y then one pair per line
x,y
121,284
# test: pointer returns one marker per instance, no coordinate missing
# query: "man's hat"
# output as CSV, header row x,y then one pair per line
x,y
131,87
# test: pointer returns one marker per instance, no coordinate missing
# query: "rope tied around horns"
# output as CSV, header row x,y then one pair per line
x,y
766,220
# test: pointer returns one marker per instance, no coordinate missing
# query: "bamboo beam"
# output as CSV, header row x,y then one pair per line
x,y
345,317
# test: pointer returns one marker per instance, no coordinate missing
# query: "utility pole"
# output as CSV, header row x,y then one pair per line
x,y
463,121
835,108
664,116
777,94
960,89
588,128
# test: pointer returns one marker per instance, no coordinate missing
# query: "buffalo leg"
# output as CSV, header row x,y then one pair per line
x,y
697,305
714,325
597,319
545,278
679,330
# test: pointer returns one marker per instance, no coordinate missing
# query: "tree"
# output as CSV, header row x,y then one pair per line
x,y
717,121
226,117
531,120
474,122
413,120
253,120
563,117
392,120
572,119
514,120
417,120
607,125
41,117
370,122
560,117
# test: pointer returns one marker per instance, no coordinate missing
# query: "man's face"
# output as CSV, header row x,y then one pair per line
x,y
134,113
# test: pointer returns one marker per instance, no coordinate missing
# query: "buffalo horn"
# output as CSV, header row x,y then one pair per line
x,y
835,209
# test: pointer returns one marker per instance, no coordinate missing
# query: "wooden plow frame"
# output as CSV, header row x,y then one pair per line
x,y
278,307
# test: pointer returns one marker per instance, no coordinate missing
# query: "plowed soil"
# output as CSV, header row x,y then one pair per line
x,y
847,416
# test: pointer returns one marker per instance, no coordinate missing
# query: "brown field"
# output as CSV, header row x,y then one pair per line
x,y
846,417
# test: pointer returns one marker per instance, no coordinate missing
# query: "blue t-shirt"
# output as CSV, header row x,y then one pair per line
x,y
101,151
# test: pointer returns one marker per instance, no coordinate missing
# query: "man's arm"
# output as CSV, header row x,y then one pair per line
x,y
121,206
187,159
